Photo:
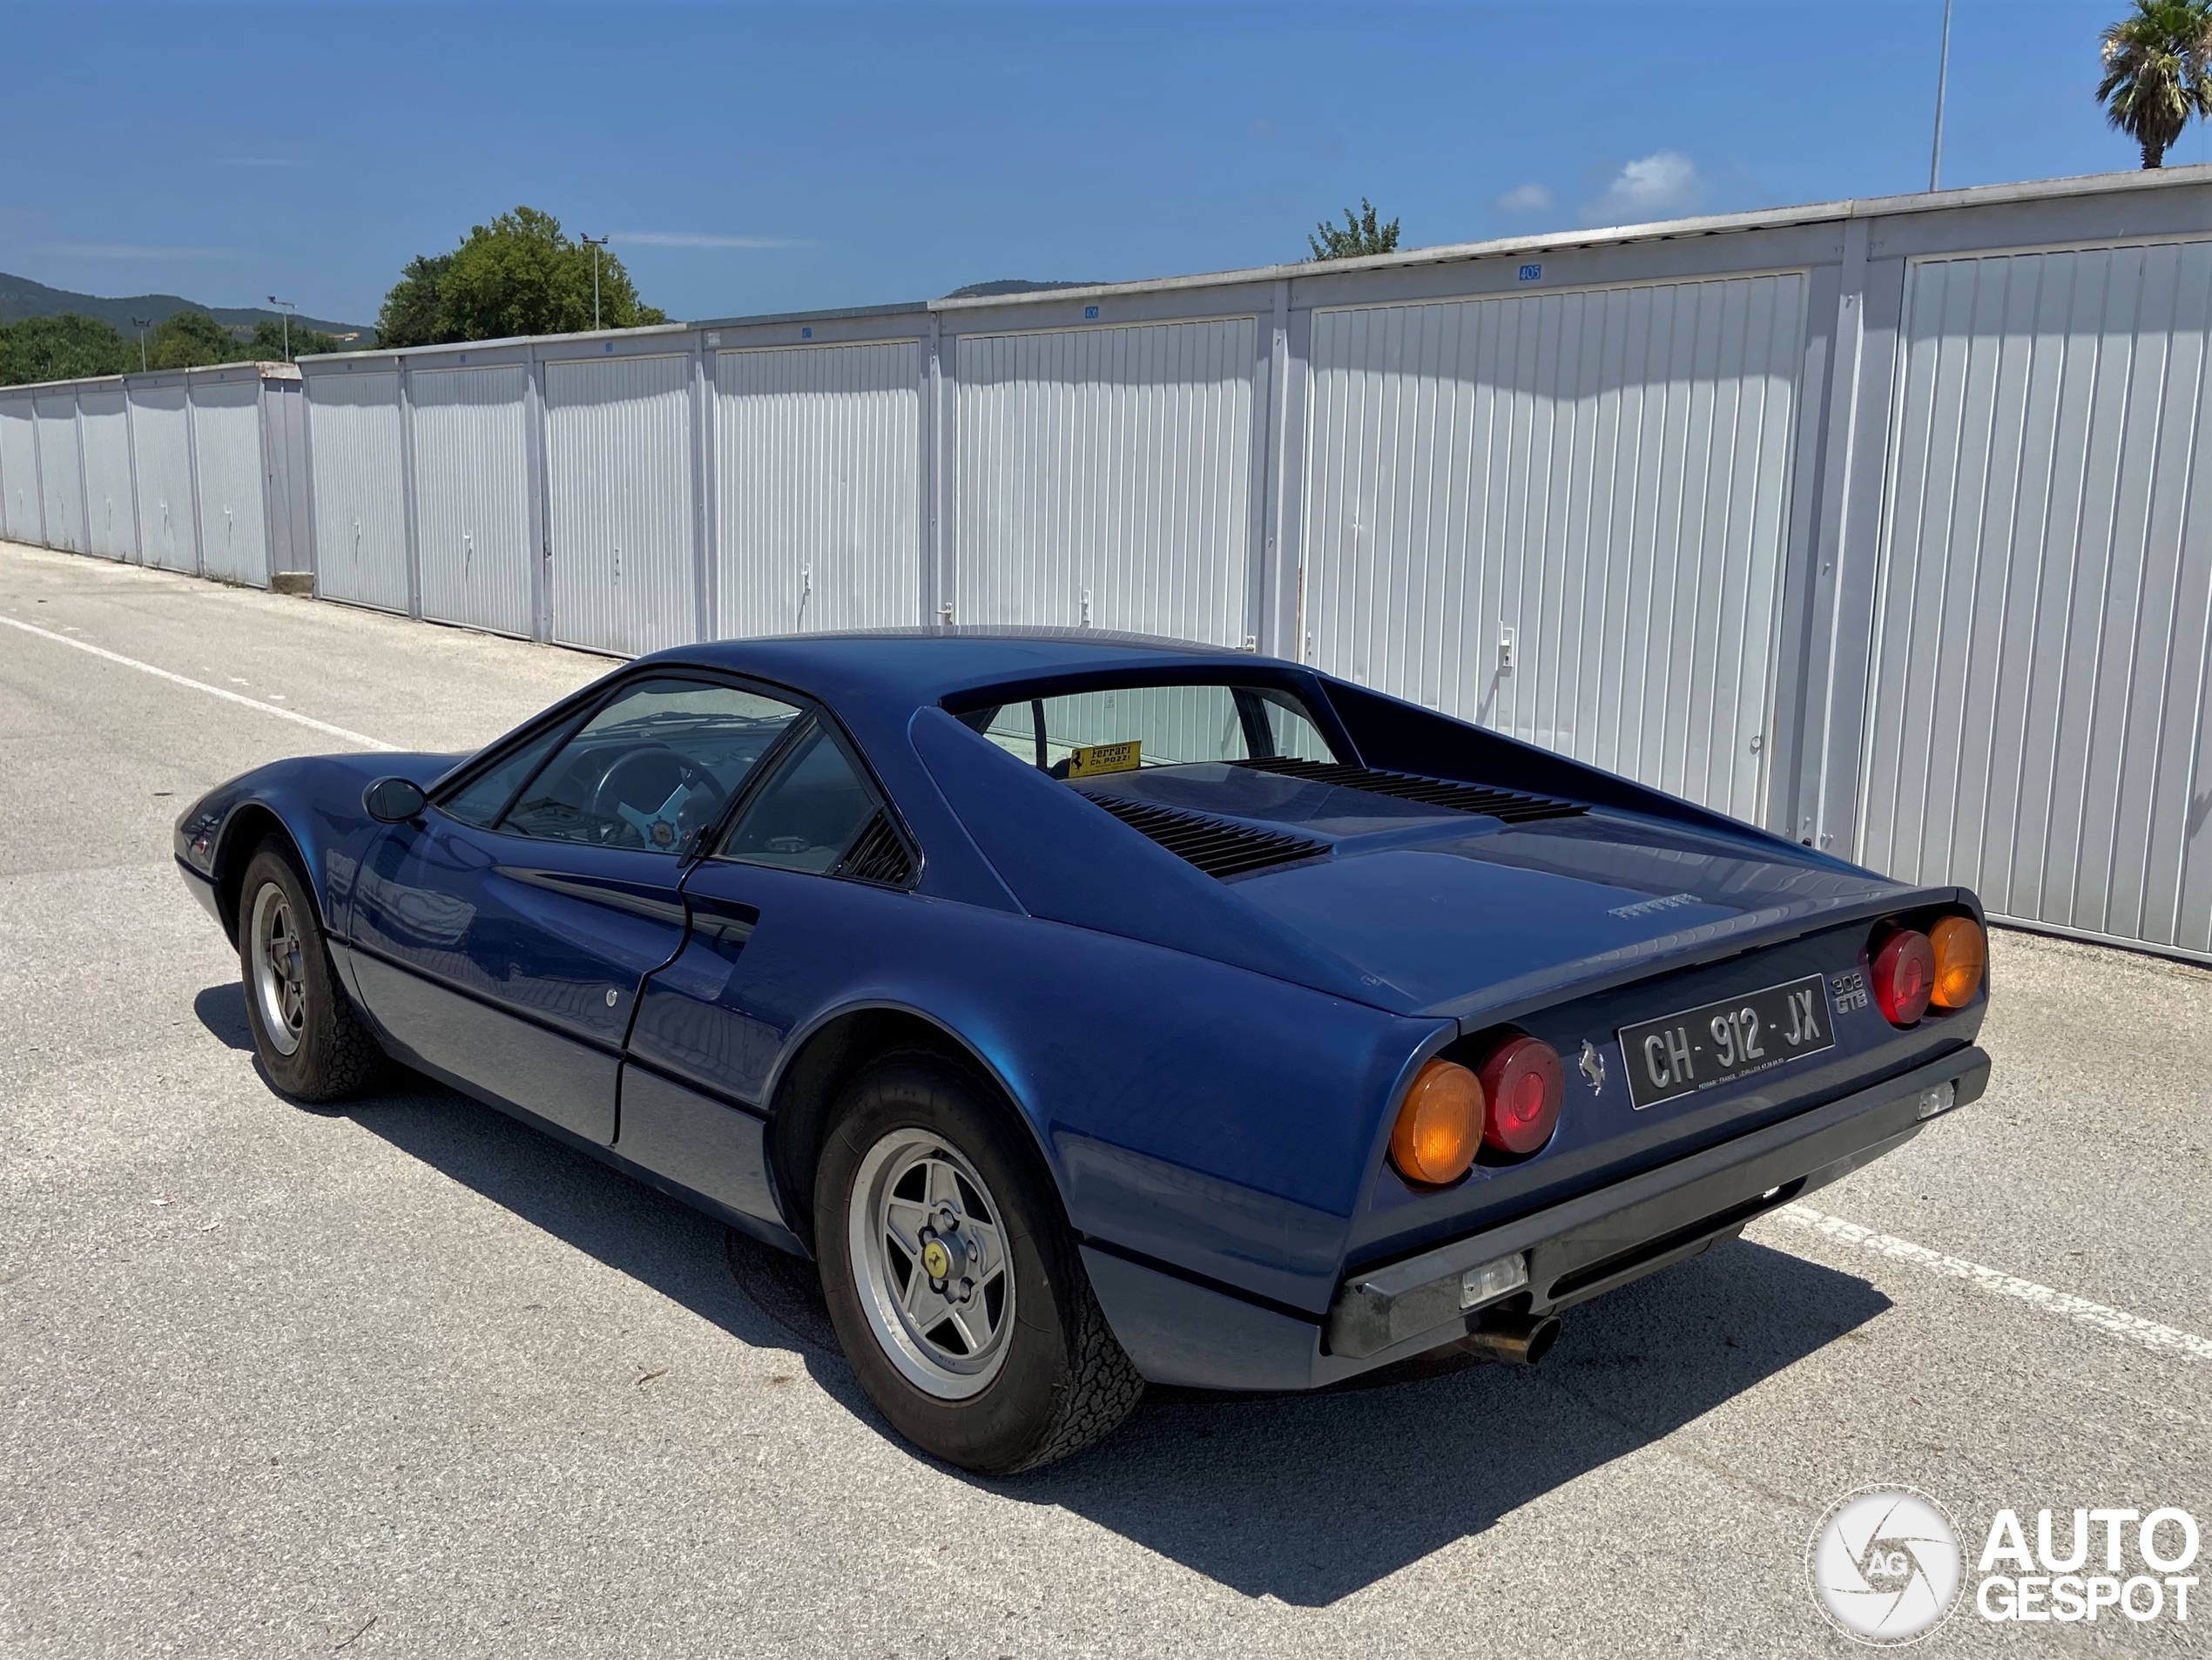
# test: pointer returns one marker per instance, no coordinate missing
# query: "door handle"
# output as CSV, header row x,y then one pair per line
x,y
726,924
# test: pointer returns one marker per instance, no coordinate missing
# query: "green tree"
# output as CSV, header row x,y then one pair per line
x,y
265,344
62,348
412,312
1357,237
189,340
520,275
2158,72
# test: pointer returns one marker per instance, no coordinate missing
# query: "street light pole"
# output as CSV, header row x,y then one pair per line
x,y
286,310
1943,76
595,243
142,324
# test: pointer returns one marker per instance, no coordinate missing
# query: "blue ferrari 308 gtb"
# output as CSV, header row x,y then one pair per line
x,y
1095,1010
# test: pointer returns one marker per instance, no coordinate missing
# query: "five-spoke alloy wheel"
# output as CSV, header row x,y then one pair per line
x,y
312,1043
952,1276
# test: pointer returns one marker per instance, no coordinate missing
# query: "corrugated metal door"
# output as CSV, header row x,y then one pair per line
x,y
61,469
104,424
18,470
359,489
472,495
1103,477
2038,723
618,509
159,426
818,485
1606,475
226,449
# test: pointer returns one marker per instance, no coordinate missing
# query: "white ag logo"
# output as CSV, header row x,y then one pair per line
x,y
1884,1565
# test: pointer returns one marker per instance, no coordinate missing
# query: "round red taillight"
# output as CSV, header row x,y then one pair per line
x,y
1522,1085
1905,973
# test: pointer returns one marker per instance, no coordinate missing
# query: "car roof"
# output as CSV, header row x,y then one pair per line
x,y
917,666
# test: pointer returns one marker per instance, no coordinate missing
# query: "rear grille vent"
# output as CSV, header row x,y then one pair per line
x,y
879,856
1509,805
1215,845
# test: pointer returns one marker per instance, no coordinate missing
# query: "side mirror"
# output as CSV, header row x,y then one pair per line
x,y
393,801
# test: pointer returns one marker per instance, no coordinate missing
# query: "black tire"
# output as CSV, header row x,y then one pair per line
x,y
333,1053
1064,1381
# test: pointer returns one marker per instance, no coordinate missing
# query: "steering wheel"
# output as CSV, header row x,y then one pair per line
x,y
683,794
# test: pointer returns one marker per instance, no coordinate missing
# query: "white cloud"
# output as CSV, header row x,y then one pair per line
x,y
1658,184
130,251
1526,199
700,240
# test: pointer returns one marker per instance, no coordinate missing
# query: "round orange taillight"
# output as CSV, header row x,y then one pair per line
x,y
1523,1083
1904,975
1961,959
1439,1124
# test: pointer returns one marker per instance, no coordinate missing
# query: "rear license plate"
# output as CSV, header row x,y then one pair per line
x,y
1717,1043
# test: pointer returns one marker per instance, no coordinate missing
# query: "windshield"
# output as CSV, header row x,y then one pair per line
x,y
1089,733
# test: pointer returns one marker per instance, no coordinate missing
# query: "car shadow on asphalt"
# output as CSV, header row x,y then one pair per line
x,y
1305,1498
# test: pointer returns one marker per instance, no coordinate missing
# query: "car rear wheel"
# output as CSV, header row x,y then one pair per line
x,y
953,1280
312,1042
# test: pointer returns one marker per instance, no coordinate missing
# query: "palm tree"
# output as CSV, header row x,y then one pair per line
x,y
2158,72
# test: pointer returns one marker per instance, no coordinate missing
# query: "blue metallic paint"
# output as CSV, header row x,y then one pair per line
x,y
1209,1067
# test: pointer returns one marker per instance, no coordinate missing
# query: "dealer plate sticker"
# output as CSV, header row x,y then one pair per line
x,y
1716,1043
1089,760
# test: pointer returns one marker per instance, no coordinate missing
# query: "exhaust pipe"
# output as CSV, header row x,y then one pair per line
x,y
1520,1340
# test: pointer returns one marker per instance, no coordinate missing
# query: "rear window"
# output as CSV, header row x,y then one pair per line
x,y
1089,733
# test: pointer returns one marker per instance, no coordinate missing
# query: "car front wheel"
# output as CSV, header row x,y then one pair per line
x,y
955,1284
311,1041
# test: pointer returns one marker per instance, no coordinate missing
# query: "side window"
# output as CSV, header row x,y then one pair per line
x,y
653,768
483,798
807,814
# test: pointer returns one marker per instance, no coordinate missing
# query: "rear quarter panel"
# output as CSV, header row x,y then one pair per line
x,y
1211,1118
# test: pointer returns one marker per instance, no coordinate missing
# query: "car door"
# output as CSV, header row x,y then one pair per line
x,y
501,939
781,909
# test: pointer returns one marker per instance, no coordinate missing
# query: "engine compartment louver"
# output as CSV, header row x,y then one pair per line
x,y
1215,845
878,856
1513,805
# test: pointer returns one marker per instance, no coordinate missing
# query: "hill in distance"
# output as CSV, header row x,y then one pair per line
x,y
20,298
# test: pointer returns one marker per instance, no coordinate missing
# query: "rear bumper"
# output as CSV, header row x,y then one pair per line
x,y
1179,1332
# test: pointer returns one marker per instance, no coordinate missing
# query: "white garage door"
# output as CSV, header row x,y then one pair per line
x,y
360,488
618,468
472,495
819,488
2038,712
1103,477
1601,477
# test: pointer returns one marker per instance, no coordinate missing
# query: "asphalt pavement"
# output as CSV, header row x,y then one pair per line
x,y
404,1378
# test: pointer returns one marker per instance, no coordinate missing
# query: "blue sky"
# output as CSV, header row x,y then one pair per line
x,y
751,158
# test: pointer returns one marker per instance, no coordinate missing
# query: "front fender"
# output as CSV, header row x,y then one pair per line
x,y
313,799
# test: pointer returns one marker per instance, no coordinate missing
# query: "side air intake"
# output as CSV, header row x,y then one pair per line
x,y
1215,845
879,856
1510,805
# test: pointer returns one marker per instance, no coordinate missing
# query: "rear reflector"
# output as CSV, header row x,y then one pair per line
x,y
1904,975
1522,1084
1961,957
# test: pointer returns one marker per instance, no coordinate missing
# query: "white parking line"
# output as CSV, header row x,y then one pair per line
x,y
2117,1321
201,685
